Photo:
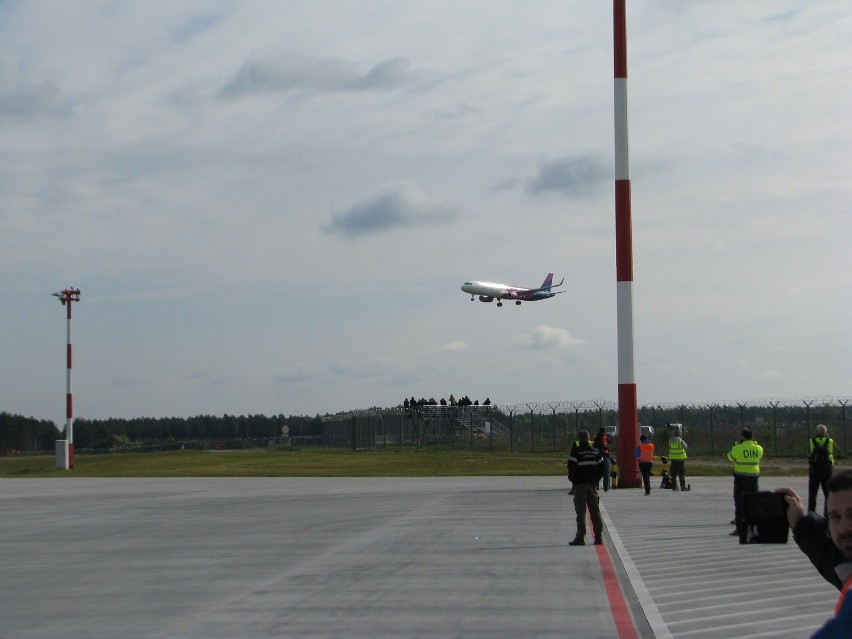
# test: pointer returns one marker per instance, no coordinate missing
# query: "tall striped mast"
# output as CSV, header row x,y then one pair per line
x,y
66,459
628,412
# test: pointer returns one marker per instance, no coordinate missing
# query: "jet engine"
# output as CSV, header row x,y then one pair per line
x,y
485,298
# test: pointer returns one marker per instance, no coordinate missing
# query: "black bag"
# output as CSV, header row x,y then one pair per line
x,y
667,483
819,460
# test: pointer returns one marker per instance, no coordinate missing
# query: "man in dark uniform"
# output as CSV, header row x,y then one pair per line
x,y
585,469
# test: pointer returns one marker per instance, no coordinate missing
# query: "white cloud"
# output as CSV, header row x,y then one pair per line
x,y
544,336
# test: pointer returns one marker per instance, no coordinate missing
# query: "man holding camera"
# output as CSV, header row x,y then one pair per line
x,y
831,555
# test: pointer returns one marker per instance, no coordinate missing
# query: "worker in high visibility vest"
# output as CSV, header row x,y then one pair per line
x,y
645,454
746,455
820,466
827,542
677,456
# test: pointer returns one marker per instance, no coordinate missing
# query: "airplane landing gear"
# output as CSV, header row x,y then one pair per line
x,y
499,303
517,302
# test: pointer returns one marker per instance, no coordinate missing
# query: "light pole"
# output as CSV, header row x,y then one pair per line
x,y
65,448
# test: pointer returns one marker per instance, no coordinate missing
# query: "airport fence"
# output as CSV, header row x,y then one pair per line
x,y
781,426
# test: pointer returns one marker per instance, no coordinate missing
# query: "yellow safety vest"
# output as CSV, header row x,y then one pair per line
x,y
746,457
676,449
828,442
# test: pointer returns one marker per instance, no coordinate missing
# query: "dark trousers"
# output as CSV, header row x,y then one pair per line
x,y
586,496
815,482
645,471
742,484
679,472
607,466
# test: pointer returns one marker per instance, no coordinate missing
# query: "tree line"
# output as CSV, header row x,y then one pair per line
x,y
27,435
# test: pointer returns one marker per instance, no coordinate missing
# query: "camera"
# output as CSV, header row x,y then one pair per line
x,y
764,518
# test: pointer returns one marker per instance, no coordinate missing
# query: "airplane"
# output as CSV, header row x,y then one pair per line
x,y
490,291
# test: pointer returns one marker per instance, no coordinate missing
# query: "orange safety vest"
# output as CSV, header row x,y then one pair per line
x,y
646,452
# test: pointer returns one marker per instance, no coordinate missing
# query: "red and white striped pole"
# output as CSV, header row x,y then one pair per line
x,y
628,412
65,455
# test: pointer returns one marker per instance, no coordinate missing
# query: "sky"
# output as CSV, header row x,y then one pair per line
x,y
270,207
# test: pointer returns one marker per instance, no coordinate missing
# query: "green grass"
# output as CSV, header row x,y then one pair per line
x,y
321,462
290,463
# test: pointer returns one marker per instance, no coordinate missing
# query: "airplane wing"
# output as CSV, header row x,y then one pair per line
x,y
527,291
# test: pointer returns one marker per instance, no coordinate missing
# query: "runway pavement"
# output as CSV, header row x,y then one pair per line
x,y
405,557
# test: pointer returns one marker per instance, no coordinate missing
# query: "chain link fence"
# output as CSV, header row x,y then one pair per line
x,y
781,426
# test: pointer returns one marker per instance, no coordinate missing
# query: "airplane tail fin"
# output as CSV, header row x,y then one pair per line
x,y
548,282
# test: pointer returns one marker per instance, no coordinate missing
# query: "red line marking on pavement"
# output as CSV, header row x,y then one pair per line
x,y
617,605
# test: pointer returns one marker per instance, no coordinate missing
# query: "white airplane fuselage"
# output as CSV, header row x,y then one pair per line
x,y
490,291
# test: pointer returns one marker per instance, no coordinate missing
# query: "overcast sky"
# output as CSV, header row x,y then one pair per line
x,y
269,207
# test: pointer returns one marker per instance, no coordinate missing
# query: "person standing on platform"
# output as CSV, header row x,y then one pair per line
x,y
645,454
601,442
820,467
585,466
677,456
746,455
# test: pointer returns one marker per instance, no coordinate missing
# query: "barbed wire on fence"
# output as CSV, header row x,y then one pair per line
x,y
599,404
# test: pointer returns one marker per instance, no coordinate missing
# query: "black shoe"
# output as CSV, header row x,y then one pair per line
x,y
577,542
598,541
686,489
674,488
736,533
733,522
